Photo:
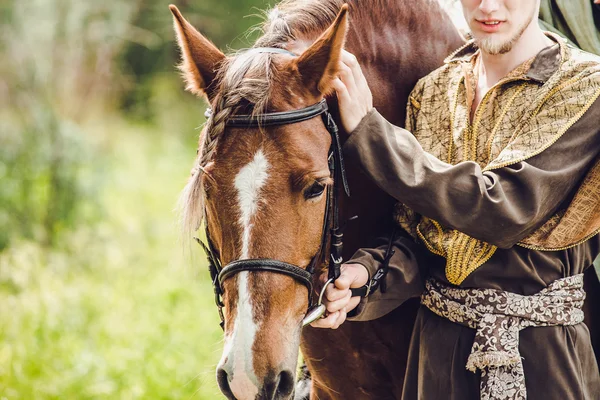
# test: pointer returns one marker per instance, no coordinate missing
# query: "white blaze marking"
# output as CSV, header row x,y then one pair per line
x,y
248,183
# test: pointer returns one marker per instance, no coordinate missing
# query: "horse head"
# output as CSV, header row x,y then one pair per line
x,y
262,191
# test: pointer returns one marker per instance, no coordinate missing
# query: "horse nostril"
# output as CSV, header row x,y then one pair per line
x,y
286,384
223,382
278,388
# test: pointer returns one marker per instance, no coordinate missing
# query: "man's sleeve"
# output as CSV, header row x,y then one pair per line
x,y
501,206
403,279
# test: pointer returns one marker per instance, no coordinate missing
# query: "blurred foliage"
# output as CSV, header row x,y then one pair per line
x,y
115,312
146,55
57,58
67,62
96,139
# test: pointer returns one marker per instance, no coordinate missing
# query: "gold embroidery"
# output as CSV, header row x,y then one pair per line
x,y
465,256
430,246
490,142
540,115
541,248
415,103
537,151
452,119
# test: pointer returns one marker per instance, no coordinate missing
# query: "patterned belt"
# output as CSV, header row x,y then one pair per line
x,y
498,317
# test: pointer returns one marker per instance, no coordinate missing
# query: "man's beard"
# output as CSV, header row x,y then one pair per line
x,y
494,46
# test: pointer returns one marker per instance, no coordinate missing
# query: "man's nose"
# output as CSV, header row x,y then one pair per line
x,y
489,6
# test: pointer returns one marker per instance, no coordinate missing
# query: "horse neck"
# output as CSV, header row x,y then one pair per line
x,y
399,43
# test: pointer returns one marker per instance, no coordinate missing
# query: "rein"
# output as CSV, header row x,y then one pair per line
x,y
331,223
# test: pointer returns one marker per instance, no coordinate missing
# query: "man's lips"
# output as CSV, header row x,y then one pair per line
x,y
490,25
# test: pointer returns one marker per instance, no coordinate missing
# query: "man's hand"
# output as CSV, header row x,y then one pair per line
x,y
338,296
354,96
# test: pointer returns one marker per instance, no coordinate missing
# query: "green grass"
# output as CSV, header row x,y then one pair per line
x,y
121,309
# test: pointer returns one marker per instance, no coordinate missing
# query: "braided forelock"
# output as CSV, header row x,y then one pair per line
x,y
244,80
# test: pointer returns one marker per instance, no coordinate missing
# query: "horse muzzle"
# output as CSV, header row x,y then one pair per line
x,y
241,386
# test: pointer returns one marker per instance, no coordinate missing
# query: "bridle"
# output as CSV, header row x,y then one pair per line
x,y
220,273
332,233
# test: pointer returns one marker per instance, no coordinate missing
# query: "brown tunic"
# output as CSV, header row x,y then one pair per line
x,y
500,207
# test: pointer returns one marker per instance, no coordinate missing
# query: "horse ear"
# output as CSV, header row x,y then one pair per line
x,y
200,58
318,65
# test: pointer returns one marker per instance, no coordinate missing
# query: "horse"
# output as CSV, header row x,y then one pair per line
x,y
264,191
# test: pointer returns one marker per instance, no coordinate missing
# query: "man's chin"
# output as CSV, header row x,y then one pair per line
x,y
494,45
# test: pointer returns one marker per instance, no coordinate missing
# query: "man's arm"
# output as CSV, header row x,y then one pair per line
x,y
501,206
438,190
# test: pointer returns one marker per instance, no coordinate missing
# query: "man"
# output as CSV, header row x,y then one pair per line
x,y
498,177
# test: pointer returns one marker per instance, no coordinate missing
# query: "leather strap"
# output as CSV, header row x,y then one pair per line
x,y
378,280
278,118
265,264
270,265
336,144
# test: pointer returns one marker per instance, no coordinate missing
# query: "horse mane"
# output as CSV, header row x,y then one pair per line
x,y
293,19
244,78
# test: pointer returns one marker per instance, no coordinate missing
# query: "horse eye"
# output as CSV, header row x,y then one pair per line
x,y
315,190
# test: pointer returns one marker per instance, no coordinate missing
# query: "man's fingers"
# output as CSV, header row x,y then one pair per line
x,y
333,306
347,77
332,293
342,91
353,303
340,287
359,273
350,60
360,81
332,321
344,281
326,322
340,319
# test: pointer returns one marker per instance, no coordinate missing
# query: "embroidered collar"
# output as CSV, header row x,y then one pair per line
x,y
544,64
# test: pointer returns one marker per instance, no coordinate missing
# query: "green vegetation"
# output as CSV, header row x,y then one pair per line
x,y
118,311
99,297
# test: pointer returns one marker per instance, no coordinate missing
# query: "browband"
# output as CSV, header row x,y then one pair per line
x,y
276,118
